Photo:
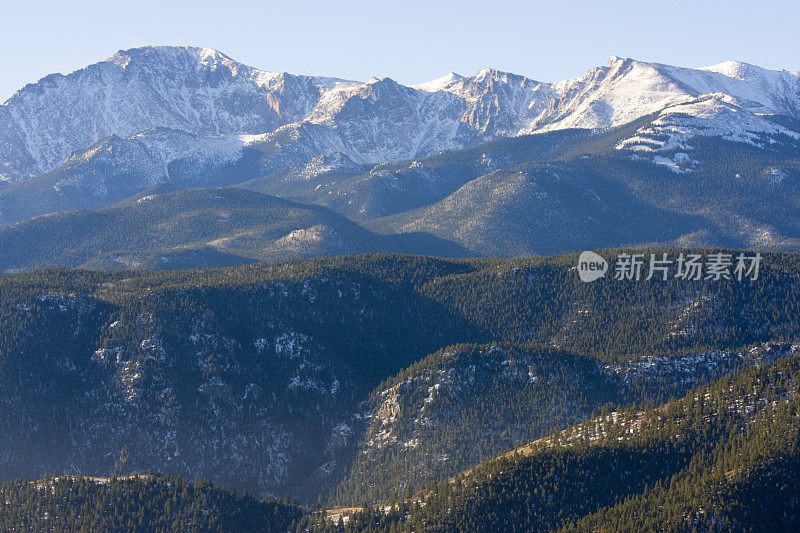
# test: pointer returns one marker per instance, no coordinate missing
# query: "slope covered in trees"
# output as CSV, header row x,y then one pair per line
x,y
162,229
467,402
136,503
724,457
273,377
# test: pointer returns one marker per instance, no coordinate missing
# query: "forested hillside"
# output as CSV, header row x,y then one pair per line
x,y
196,228
136,503
724,457
343,379
465,403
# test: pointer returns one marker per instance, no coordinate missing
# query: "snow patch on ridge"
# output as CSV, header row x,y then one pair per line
x,y
713,115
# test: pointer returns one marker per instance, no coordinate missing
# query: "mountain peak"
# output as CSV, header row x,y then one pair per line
x,y
384,84
439,83
617,60
199,52
172,54
488,73
495,75
735,69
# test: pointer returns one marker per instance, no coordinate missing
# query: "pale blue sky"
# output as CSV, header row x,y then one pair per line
x,y
410,41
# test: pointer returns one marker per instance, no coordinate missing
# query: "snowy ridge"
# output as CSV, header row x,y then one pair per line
x,y
753,88
161,146
197,90
205,93
169,145
616,94
439,83
713,115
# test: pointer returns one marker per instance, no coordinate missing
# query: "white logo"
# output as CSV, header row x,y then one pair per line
x,y
716,266
591,266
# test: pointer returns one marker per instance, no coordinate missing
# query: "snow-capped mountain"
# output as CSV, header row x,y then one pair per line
x,y
203,92
625,90
493,163
197,90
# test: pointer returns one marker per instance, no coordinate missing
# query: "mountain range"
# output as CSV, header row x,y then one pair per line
x,y
630,153
454,375
203,92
